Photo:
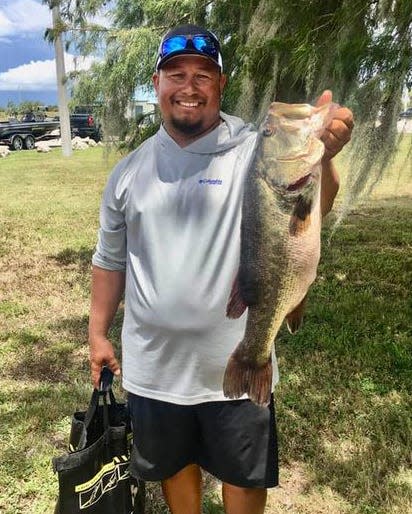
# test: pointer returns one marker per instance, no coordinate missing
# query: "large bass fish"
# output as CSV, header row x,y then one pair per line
x,y
280,241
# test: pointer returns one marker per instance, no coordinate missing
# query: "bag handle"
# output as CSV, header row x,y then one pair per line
x,y
105,393
103,396
106,380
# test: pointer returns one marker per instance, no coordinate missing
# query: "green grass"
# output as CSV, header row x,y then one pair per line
x,y
345,395
344,400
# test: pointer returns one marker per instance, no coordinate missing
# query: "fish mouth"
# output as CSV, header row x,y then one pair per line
x,y
293,157
300,183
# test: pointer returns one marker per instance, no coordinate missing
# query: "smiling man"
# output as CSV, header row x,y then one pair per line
x,y
170,240
189,88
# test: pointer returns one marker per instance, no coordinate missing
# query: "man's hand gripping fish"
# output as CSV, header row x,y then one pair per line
x,y
280,241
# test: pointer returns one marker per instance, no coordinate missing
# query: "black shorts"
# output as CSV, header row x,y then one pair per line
x,y
235,441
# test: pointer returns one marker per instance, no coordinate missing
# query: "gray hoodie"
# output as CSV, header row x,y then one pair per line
x,y
170,217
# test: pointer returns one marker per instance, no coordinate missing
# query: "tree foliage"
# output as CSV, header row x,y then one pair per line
x,y
13,109
286,50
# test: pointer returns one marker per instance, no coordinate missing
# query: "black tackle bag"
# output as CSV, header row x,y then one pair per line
x,y
94,476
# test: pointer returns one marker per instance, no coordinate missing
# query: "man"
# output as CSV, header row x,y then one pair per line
x,y
170,239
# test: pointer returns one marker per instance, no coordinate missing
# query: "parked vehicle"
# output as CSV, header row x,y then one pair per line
x,y
406,114
84,123
22,134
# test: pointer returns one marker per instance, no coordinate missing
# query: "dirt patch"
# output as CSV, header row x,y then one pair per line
x,y
297,495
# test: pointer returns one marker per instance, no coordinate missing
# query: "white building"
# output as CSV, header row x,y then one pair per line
x,y
143,103
137,108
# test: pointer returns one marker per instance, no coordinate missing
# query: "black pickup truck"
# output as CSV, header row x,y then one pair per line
x,y
84,123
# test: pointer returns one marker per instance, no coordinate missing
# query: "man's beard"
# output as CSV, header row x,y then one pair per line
x,y
187,127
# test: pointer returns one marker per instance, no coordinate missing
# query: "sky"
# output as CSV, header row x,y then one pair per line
x,y
27,65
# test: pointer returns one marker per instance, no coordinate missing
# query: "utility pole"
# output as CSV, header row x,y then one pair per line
x,y
64,115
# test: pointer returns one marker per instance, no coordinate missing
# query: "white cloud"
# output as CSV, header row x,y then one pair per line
x,y
40,75
20,17
6,26
26,19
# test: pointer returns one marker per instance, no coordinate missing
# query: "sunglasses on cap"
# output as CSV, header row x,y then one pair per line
x,y
197,43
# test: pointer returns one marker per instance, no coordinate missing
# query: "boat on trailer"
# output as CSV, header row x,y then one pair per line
x,y
22,134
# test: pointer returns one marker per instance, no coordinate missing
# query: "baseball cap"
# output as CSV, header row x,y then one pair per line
x,y
189,40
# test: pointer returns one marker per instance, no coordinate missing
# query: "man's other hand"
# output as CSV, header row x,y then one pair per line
x,y
338,132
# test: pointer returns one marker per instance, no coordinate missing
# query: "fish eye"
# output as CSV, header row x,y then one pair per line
x,y
267,131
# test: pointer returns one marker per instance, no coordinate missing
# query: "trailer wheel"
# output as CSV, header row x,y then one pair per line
x,y
29,143
17,143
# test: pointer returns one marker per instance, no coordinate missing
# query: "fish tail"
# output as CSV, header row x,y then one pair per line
x,y
242,377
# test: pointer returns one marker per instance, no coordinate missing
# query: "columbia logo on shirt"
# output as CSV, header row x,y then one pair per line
x,y
211,181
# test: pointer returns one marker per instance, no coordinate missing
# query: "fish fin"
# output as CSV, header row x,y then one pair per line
x,y
242,377
298,226
300,219
235,306
295,317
